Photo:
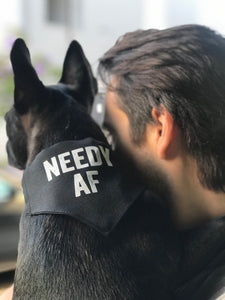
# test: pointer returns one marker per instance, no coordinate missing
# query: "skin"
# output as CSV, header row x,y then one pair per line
x,y
164,164
7,295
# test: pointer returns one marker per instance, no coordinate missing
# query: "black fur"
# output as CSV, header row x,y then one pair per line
x,y
59,257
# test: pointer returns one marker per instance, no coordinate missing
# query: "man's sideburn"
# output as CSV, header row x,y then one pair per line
x,y
133,156
146,171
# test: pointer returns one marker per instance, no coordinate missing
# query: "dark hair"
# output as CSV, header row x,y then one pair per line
x,y
182,68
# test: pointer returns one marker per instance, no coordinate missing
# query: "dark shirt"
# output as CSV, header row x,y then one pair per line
x,y
202,262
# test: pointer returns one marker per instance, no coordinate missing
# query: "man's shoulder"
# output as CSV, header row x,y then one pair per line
x,y
208,285
204,262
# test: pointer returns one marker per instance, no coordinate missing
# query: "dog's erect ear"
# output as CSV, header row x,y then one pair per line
x,y
78,76
28,87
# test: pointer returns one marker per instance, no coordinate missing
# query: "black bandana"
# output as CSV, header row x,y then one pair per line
x,y
79,179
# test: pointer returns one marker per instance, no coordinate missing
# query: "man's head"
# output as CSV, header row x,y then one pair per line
x,y
171,80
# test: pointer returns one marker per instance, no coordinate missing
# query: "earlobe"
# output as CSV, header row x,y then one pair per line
x,y
165,133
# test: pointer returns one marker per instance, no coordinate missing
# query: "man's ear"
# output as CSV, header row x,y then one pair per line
x,y
27,84
165,133
77,75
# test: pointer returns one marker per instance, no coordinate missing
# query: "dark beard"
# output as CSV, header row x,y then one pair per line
x,y
156,181
148,173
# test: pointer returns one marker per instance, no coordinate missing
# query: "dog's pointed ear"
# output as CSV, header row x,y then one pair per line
x,y
78,76
27,83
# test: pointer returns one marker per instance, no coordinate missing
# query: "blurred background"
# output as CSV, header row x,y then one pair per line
x,y
48,26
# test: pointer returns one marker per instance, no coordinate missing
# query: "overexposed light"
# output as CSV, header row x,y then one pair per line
x,y
10,13
211,13
153,14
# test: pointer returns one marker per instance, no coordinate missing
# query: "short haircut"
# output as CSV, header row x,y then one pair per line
x,y
183,69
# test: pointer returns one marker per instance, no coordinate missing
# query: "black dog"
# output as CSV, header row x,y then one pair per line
x,y
60,256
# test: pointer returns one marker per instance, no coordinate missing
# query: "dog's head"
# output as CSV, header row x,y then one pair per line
x,y
44,115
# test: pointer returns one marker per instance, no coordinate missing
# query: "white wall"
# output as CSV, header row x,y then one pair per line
x,y
100,24
10,21
167,13
104,21
212,13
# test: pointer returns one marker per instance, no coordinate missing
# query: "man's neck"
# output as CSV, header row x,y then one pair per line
x,y
191,203
195,209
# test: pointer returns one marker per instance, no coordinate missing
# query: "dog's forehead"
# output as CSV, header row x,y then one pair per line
x,y
64,92
59,87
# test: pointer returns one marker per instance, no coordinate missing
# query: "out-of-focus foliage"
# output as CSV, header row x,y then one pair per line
x,y
6,85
